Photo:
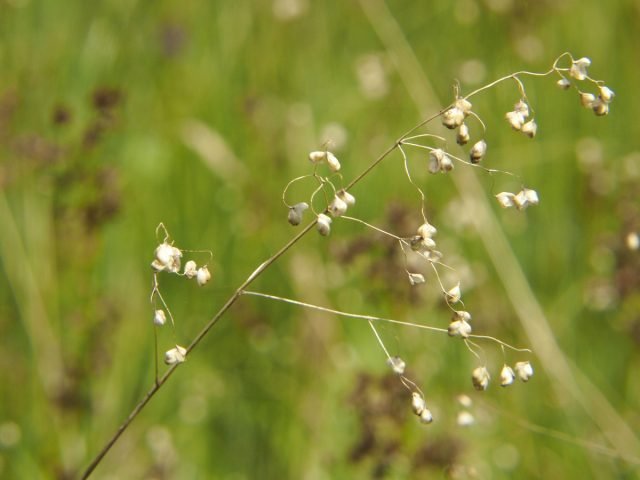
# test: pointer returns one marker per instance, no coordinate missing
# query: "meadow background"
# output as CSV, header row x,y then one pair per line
x,y
117,115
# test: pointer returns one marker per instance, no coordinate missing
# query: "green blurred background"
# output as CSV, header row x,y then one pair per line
x,y
116,115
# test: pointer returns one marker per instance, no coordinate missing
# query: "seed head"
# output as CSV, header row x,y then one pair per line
x,y
435,160
506,199
397,365
515,119
454,294
346,197
296,212
459,328
524,370
453,117
463,105
579,67
337,207
416,278
190,269
507,376
465,419
564,83
600,108
333,162
417,403
480,378
530,128
426,230
167,257
522,108
203,275
159,318
606,94
175,355
426,416
478,151
587,99
463,134
324,224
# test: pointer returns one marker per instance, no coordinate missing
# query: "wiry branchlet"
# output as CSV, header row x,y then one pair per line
x,y
454,294
346,197
419,407
507,376
578,69
478,151
159,318
167,258
416,278
524,370
564,83
175,355
190,269
453,118
480,378
463,135
337,207
324,224
203,275
296,212
397,365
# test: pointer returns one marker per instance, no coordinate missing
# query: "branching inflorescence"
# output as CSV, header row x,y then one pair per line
x,y
330,200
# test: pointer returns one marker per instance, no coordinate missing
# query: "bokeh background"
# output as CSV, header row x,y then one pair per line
x,y
117,115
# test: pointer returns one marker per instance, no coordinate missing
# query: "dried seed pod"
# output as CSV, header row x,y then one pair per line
x,y
333,162
478,151
296,212
480,378
579,67
463,134
417,403
175,355
317,156
606,94
416,278
506,199
587,99
435,157
159,318
515,119
190,269
507,376
324,224
337,207
524,370
463,105
453,117
397,365
530,128
531,196
346,197
459,328
426,416
600,108
522,108
426,230
167,258
203,275
454,294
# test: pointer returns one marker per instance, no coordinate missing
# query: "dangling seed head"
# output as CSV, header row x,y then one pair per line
x,y
203,275
416,278
454,294
175,355
426,230
190,269
167,258
317,157
463,134
426,416
579,67
600,108
564,83
324,224
397,365
480,378
524,370
159,318
515,119
606,94
333,162
587,99
530,128
506,199
346,197
435,159
453,117
522,108
417,403
296,212
478,151
507,376
531,196
337,207
459,328
464,106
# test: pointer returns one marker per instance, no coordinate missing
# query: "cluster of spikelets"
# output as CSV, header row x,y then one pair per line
x,y
578,71
168,259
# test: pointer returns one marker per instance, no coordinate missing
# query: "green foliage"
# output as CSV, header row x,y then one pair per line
x,y
115,116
